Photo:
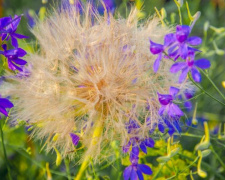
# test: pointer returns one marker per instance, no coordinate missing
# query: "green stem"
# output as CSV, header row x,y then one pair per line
x,y
217,157
23,152
67,168
215,87
4,150
156,174
204,90
204,164
93,169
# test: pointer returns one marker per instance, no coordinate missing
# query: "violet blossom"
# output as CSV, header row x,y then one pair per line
x,y
168,107
10,30
190,65
13,57
135,170
75,138
156,48
5,103
181,43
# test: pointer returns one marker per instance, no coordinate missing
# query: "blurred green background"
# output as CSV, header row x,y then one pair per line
x,y
28,162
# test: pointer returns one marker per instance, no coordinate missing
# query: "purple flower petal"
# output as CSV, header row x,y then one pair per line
x,y
11,52
155,48
20,36
193,49
126,148
127,173
15,22
161,128
75,138
13,66
177,67
188,105
161,110
169,39
183,50
3,111
171,131
196,75
20,61
202,63
21,52
174,110
4,22
4,47
183,75
134,152
143,147
149,142
14,42
140,176
177,126
5,103
157,63
194,41
4,36
172,51
145,169
133,175
174,91
182,33
164,99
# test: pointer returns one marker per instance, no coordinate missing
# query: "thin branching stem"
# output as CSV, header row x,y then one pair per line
x,y
217,157
198,86
5,154
215,87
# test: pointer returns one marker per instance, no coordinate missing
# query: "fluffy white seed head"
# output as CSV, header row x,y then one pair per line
x,y
92,75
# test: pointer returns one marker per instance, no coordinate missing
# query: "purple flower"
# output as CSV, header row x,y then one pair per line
x,y
5,103
75,138
156,49
136,142
10,27
148,142
161,127
110,6
132,126
135,171
168,107
188,104
26,72
5,21
13,57
30,18
173,126
180,42
190,65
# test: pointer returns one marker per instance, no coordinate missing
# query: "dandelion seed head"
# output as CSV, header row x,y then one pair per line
x,y
91,76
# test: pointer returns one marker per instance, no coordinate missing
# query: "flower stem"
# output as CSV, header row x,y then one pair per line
x,y
4,150
204,90
82,168
215,87
96,134
217,157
